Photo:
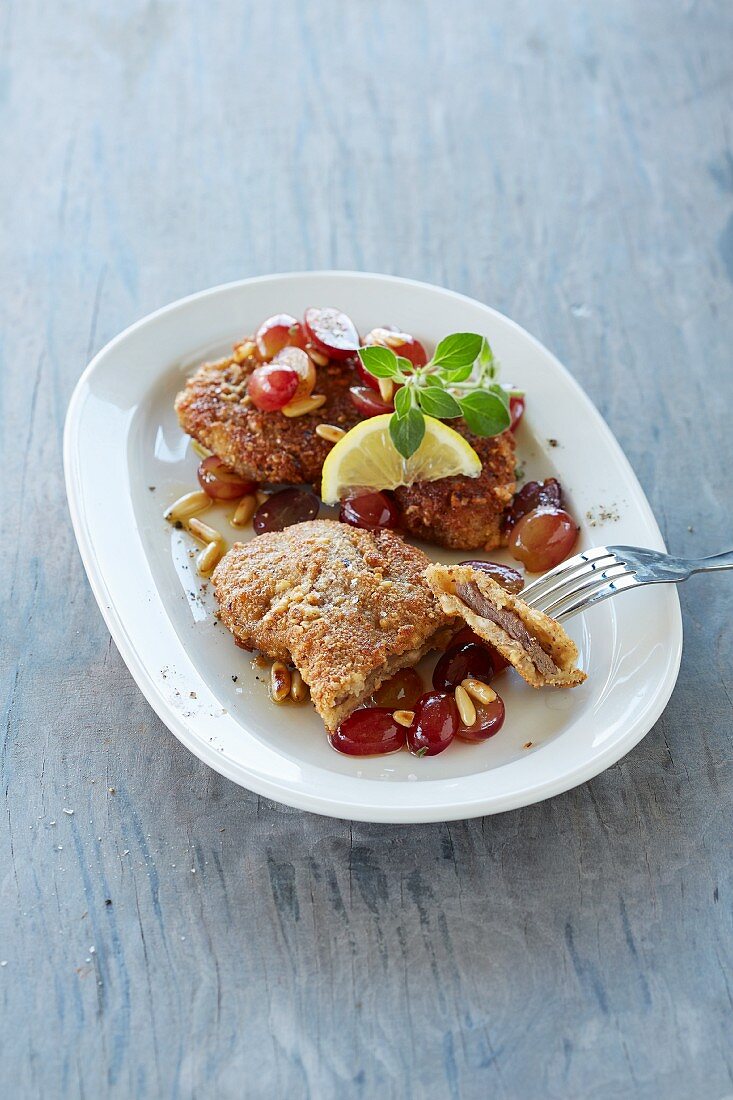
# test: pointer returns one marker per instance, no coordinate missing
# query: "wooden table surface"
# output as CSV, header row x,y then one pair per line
x,y
174,935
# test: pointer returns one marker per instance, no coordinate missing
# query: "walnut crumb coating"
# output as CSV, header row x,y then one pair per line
x,y
464,513
264,446
348,607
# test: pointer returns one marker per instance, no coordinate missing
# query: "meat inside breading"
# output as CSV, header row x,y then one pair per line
x,y
534,643
348,607
267,447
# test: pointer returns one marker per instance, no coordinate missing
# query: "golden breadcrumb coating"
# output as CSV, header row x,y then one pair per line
x,y
348,607
464,513
459,512
535,644
264,446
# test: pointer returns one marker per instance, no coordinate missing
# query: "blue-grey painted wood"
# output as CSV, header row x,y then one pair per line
x,y
174,935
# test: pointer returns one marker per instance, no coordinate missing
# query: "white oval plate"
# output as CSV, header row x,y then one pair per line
x,y
126,459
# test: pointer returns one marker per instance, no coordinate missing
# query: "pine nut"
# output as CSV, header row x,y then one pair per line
x,y
330,432
298,687
280,681
201,451
244,511
479,690
404,717
304,405
306,372
262,496
466,709
187,506
246,400
243,351
386,389
209,558
318,357
203,532
394,340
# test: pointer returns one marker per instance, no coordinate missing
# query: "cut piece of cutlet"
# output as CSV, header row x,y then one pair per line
x,y
535,644
348,607
263,446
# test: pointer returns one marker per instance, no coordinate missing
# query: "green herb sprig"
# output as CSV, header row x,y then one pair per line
x,y
460,380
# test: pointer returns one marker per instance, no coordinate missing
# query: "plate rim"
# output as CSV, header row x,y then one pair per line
x,y
299,798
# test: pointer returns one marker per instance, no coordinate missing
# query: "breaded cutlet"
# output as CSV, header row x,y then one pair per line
x,y
348,607
459,512
464,513
534,643
264,446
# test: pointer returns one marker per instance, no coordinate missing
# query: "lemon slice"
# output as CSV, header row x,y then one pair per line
x,y
366,458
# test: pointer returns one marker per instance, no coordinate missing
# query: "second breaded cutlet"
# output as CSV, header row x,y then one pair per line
x,y
348,607
266,447
464,513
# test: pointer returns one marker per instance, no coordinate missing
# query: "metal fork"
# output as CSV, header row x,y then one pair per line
x,y
596,575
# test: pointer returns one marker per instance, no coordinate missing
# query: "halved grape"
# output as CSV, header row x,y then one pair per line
x,y
332,332
369,403
466,635
461,662
221,483
367,378
271,386
535,494
278,332
285,508
370,511
297,360
543,538
401,343
368,732
401,692
516,411
489,720
435,725
504,575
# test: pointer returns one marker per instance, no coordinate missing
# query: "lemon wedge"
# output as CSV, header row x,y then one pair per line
x,y
366,458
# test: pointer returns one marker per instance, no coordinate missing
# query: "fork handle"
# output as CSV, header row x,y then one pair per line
x,y
713,563
668,567
651,568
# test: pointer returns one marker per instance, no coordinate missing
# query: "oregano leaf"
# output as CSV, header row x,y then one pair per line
x,y
380,362
407,431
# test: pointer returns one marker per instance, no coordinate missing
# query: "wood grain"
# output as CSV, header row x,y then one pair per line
x,y
176,936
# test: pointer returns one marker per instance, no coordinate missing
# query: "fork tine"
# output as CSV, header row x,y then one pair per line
x,y
565,567
592,583
628,580
569,579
